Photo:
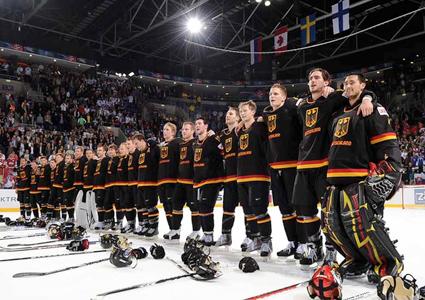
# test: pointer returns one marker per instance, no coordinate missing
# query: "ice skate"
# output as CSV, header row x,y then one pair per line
x,y
266,249
151,234
288,251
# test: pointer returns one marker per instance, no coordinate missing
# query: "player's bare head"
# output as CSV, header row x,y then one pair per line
x,y
43,160
23,161
59,157
101,150
34,164
139,141
277,95
130,146
169,131
123,149
69,158
247,110
318,79
79,151
52,163
89,154
112,150
201,126
232,116
188,130
354,84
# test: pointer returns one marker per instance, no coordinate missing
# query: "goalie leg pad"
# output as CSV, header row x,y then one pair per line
x,y
333,227
366,231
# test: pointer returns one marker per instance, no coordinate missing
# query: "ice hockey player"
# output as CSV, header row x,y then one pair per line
x,y
364,172
110,182
208,176
183,192
99,180
35,194
229,141
168,169
254,180
284,136
121,185
44,185
23,188
147,184
68,187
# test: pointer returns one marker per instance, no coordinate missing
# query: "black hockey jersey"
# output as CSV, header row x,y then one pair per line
x,y
88,173
58,182
358,141
207,162
284,135
111,176
122,171
168,169
79,168
229,141
148,166
252,158
68,177
186,162
133,167
100,174
315,116
34,182
23,178
44,179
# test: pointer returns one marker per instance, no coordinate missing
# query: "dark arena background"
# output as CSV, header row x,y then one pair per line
x,y
117,141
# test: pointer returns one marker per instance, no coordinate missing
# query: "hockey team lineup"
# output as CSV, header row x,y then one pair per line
x,y
331,161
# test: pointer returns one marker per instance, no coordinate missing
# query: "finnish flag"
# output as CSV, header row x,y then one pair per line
x,y
341,16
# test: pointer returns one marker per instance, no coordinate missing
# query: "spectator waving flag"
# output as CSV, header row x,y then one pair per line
x,y
308,29
341,16
281,40
256,46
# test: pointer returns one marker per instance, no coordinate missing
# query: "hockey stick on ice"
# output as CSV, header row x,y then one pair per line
x,y
142,285
12,237
41,243
288,288
32,274
54,255
186,271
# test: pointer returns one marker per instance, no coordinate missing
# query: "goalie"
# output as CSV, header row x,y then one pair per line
x,y
364,172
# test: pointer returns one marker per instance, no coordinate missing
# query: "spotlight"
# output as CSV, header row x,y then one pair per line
x,y
54,60
131,74
267,3
30,55
194,25
2,49
258,1
158,80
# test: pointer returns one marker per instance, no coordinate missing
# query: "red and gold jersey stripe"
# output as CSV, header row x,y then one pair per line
x,y
98,187
43,188
348,173
23,189
231,178
78,183
132,183
312,164
87,186
185,181
68,190
208,181
249,178
57,185
383,137
167,180
110,184
284,164
35,192
147,183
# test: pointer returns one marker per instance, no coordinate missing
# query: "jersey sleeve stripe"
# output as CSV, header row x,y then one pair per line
x,y
383,137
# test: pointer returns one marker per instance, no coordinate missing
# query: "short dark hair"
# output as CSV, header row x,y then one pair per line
x,y
360,77
203,120
325,74
139,137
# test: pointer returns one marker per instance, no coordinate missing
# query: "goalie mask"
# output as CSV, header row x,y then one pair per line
x,y
325,284
121,258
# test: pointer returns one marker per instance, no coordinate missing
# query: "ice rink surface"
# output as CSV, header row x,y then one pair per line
x,y
84,283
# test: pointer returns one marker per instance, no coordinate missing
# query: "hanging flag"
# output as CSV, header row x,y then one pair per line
x,y
281,40
256,46
341,16
308,29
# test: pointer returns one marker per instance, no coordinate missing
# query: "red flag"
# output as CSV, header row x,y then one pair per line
x,y
281,40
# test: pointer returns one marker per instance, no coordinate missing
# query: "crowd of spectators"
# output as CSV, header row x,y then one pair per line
x,y
74,106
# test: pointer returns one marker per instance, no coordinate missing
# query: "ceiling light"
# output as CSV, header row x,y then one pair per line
x,y
2,49
175,82
158,80
30,55
267,3
194,25
54,60
258,1
131,74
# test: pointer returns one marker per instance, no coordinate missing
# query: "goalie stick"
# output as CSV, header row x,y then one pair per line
x,y
35,274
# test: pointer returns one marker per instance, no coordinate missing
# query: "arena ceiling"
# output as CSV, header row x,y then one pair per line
x,y
127,35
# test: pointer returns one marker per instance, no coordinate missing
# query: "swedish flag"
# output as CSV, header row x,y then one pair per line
x,y
308,29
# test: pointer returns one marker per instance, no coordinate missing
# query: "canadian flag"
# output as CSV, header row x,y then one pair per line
x,y
281,40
